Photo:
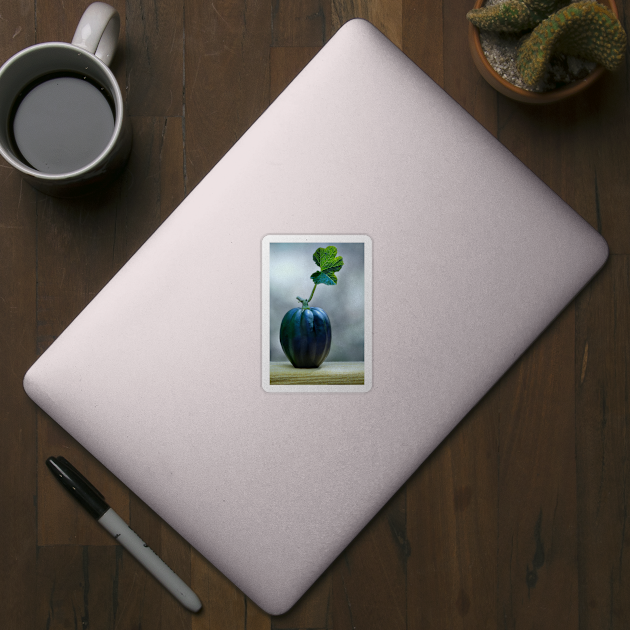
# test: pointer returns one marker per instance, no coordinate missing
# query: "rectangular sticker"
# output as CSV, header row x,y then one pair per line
x,y
317,313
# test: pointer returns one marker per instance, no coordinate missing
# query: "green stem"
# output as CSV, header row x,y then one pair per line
x,y
313,291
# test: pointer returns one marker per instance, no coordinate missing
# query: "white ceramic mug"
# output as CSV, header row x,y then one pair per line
x,y
87,58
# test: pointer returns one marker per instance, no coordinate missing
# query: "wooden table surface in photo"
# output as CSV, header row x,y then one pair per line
x,y
328,373
519,519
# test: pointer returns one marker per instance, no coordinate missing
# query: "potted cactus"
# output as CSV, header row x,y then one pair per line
x,y
585,36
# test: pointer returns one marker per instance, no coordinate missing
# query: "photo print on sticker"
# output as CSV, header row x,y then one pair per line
x,y
317,313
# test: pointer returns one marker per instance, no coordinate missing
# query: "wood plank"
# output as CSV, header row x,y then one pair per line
x,y
423,36
607,137
18,415
300,23
386,15
17,28
452,527
537,537
462,80
226,78
328,373
18,419
154,60
224,606
74,248
76,587
313,610
140,597
369,587
171,160
140,600
255,618
602,382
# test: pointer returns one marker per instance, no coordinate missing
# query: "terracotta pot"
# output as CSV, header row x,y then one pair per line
x,y
512,91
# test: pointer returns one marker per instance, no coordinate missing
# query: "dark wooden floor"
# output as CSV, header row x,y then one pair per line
x,y
518,520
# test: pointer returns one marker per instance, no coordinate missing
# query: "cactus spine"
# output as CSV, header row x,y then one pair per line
x,y
583,29
513,16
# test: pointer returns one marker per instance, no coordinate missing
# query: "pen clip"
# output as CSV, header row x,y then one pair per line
x,y
65,463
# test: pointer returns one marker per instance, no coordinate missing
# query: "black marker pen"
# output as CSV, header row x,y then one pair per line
x,y
94,502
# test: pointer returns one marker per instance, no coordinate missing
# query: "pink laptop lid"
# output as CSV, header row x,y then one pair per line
x,y
456,257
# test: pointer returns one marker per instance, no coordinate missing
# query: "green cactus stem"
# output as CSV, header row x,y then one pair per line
x,y
583,29
513,16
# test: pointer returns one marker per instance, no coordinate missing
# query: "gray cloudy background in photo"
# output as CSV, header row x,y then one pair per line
x,y
290,269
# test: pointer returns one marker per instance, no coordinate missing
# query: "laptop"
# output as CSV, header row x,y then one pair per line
x,y
454,258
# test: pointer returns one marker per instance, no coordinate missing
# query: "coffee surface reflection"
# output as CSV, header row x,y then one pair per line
x,y
62,123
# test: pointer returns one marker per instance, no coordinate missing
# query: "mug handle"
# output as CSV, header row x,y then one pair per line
x,y
98,30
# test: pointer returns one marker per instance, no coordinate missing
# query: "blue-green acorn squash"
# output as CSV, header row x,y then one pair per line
x,y
305,336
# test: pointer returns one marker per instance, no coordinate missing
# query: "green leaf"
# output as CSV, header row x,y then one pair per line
x,y
329,262
323,256
324,277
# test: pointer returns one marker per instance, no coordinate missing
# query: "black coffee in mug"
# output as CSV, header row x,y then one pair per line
x,y
62,122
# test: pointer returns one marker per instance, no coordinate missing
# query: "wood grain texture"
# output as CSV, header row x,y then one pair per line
x,y
313,610
537,536
607,141
602,381
154,57
369,577
452,527
422,36
518,520
18,325
76,587
224,606
386,15
462,81
328,373
300,22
